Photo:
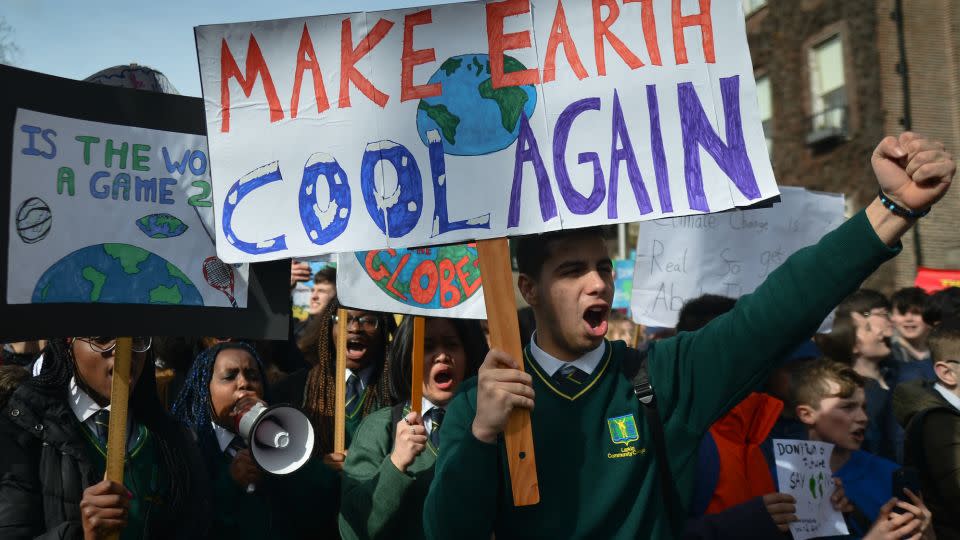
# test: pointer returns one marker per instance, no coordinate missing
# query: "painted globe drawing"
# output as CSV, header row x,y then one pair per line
x,y
115,274
439,277
472,117
33,220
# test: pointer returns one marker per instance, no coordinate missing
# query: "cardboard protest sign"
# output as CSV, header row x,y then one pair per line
x,y
110,225
470,121
441,281
803,471
728,254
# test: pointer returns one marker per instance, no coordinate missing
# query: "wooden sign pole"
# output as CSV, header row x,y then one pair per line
x,y
501,305
340,400
119,401
416,365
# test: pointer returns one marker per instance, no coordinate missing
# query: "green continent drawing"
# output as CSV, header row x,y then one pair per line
x,y
447,121
115,274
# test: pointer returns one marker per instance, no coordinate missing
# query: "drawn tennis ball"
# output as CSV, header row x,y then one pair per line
x,y
34,220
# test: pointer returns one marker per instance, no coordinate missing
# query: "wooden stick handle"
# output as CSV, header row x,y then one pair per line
x,y
505,335
119,400
340,400
416,365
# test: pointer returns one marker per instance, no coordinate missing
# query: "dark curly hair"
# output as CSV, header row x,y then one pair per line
x,y
319,392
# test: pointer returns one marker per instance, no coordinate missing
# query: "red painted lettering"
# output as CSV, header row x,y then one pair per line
x,y
307,59
560,35
468,288
449,293
702,20
379,272
412,58
601,30
649,29
421,294
396,273
350,56
498,43
255,66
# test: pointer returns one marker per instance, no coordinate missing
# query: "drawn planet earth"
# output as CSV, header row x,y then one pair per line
x,y
161,226
429,278
33,220
472,118
115,274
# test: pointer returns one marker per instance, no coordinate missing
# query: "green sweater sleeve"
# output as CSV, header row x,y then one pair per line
x,y
698,376
373,487
462,502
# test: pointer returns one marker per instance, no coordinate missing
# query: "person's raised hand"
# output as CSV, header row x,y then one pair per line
x,y
501,388
103,509
782,509
912,170
409,441
299,272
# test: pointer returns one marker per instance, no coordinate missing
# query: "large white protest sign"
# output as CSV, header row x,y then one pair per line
x,y
452,123
803,471
728,254
107,213
441,281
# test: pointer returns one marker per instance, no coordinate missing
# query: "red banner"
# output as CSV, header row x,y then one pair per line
x,y
932,279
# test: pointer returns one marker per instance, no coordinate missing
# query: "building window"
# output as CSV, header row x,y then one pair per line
x,y
827,91
765,99
749,6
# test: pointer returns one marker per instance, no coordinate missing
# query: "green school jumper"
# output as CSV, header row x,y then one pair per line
x,y
594,452
379,501
142,476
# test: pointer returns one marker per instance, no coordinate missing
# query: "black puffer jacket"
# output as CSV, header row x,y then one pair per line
x,y
45,466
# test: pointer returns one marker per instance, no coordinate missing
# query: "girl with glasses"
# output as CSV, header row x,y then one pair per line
x,y
53,439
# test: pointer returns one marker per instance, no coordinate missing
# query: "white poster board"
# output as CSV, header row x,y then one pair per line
x,y
459,122
113,214
803,471
439,281
728,254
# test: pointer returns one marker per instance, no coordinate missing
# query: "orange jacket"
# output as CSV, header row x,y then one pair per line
x,y
744,473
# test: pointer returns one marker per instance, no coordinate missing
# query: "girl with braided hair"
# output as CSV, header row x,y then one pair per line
x,y
53,432
368,381
223,382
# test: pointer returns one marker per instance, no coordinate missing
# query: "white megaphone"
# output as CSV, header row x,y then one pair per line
x,y
280,437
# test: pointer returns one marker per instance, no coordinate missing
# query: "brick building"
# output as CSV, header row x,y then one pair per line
x,y
830,89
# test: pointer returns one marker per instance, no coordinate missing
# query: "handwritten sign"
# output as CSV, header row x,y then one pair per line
x,y
728,254
107,201
468,121
439,281
803,471
108,213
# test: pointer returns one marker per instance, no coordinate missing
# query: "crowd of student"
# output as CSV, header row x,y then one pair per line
x,y
691,458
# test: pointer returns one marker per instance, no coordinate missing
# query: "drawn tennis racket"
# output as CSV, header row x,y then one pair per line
x,y
219,276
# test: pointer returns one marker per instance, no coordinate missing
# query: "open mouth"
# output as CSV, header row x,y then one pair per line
x,y
356,348
442,377
596,320
858,435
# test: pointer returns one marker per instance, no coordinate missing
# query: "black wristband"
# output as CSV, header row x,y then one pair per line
x,y
901,211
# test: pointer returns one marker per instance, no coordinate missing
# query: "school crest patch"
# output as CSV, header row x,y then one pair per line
x,y
623,429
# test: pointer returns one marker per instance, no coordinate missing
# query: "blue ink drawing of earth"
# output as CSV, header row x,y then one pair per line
x,y
472,117
115,274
